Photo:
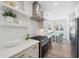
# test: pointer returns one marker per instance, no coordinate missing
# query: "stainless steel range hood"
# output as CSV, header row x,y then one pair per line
x,y
37,12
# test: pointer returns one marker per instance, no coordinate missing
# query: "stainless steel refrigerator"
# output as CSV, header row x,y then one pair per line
x,y
74,38
77,36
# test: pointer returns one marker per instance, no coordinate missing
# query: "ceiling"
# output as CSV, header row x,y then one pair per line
x,y
58,9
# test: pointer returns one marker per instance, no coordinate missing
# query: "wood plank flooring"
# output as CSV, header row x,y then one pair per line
x,y
59,51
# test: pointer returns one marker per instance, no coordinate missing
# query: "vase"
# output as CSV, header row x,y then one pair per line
x,y
10,19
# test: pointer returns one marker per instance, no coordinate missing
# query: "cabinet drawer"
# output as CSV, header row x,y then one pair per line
x,y
32,48
30,55
33,52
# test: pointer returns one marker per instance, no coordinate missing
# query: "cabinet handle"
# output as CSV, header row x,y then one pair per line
x,y
30,56
34,47
21,56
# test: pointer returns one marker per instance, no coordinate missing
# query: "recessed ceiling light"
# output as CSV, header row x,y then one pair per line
x,y
55,4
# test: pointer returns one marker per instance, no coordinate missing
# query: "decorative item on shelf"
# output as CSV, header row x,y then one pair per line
x,y
10,16
20,22
28,37
11,3
24,22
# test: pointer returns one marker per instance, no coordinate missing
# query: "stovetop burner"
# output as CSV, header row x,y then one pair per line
x,y
43,39
39,38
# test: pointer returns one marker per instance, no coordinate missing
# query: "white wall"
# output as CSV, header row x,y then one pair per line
x,y
28,7
33,27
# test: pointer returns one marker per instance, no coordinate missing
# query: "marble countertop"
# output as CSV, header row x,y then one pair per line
x,y
9,52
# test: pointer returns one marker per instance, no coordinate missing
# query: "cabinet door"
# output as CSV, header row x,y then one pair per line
x,y
34,52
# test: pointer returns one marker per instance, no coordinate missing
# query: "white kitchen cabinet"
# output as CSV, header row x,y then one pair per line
x,y
31,52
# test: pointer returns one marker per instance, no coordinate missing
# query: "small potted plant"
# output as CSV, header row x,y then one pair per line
x,y
10,16
28,37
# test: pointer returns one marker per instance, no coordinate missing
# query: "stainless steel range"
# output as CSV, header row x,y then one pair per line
x,y
43,45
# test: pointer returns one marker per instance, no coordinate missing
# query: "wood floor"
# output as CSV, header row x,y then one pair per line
x,y
59,51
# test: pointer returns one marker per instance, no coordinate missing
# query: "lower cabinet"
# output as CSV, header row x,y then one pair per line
x,y
31,52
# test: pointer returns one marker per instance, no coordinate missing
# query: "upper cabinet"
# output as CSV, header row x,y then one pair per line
x,y
37,13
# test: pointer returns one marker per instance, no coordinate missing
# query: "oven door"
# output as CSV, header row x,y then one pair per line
x,y
44,49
